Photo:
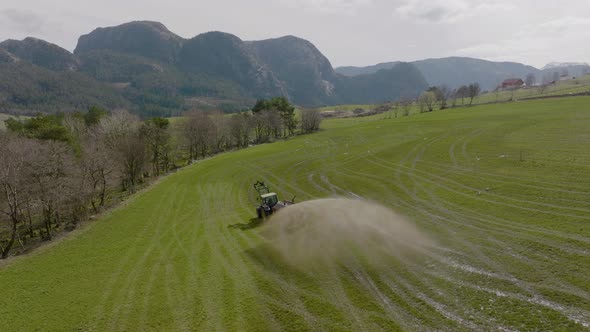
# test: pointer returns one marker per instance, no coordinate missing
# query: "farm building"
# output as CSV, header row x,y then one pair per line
x,y
512,83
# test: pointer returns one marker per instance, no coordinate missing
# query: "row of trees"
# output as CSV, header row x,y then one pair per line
x,y
441,96
56,170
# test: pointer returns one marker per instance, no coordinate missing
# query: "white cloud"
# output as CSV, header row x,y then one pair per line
x,y
348,7
449,11
561,39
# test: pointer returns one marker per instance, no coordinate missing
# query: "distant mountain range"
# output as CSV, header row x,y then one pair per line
x,y
553,65
457,71
144,67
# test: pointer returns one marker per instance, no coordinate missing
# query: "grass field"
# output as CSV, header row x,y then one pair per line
x,y
503,191
567,87
346,107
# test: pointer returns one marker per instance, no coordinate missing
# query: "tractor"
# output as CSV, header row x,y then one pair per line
x,y
269,201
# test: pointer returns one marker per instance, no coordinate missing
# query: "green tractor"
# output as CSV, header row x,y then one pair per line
x,y
269,201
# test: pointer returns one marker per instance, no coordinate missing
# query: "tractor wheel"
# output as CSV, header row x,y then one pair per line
x,y
260,213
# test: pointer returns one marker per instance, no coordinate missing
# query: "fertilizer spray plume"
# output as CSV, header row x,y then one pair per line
x,y
340,231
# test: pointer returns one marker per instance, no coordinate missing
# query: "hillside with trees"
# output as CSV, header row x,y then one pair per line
x,y
145,68
57,170
457,71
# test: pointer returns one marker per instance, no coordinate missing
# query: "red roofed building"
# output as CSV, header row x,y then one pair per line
x,y
512,83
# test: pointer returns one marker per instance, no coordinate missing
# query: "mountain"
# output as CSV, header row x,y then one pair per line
x,y
457,71
404,80
111,66
304,70
311,80
553,65
41,53
7,57
146,68
355,71
226,56
144,38
28,88
574,69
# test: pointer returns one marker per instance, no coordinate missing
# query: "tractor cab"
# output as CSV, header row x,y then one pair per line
x,y
270,199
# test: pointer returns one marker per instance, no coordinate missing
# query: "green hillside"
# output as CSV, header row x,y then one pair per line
x,y
561,88
502,190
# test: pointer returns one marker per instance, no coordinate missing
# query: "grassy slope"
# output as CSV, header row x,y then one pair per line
x,y
579,85
513,239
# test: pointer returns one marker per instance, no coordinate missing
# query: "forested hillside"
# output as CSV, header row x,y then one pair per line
x,y
144,67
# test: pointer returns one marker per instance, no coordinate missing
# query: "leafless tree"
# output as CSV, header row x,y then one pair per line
x,y
15,154
463,92
406,106
221,138
99,166
267,123
311,120
75,126
543,88
198,132
123,137
497,91
54,181
426,101
443,94
454,96
240,127
158,139
473,89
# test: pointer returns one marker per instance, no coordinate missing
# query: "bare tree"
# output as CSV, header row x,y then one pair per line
x,y
311,120
221,135
497,91
473,90
442,95
543,88
240,127
463,92
198,132
453,95
123,137
53,176
15,153
99,166
75,126
266,124
427,100
157,136
406,106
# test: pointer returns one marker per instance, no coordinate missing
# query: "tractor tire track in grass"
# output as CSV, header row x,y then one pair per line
x,y
528,289
189,255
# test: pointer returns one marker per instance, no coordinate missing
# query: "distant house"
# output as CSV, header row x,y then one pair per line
x,y
512,83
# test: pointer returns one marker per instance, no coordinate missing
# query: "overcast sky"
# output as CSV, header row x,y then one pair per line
x,y
348,32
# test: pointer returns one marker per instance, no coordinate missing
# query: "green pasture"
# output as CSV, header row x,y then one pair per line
x,y
567,87
502,190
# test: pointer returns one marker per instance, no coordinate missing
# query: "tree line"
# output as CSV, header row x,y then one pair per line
x,y
442,96
57,170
